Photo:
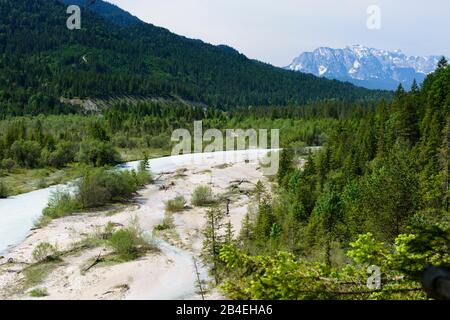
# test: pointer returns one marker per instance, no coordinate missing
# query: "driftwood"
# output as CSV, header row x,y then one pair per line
x,y
97,261
161,175
241,181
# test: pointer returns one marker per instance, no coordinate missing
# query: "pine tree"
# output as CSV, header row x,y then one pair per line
x,y
285,165
414,87
327,215
259,191
229,233
246,233
443,63
214,240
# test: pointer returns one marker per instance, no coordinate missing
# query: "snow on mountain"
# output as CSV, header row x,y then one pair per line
x,y
366,67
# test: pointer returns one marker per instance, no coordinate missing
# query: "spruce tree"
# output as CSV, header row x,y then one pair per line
x,y
214,239
414,87
443,63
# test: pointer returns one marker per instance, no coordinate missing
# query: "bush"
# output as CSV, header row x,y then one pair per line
x,y
26,153
143,174
8,164
3,190
64,154
97,153
99,187
123,141
60,205
44,252
38,293
176,205
96,188
91,189
202,196
124,244
129,243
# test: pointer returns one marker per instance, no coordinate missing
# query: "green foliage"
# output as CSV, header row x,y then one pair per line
x,y
38,293
44,251
214,240
3,190
96,188
97,153
124,244
59,205
376,192
129,243
202,196
176,205
285,166
366,250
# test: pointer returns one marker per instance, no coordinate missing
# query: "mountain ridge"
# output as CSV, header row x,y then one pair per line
x,y
39,65
364,66
107,10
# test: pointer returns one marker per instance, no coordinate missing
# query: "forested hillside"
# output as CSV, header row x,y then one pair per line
x,y
376,194
107,10
42,61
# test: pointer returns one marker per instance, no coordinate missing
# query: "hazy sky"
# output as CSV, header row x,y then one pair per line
x,y
276,31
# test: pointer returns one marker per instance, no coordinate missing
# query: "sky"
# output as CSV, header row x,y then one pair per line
x,y
276,31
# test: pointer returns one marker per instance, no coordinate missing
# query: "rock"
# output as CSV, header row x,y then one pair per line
x,y
10,260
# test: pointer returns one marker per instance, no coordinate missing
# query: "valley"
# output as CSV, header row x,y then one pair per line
x,y
166,272
346,199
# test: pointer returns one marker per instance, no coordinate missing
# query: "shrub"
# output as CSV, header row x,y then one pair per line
x,y
3,190
176,205
65,153
202,196
124,244
96,188
121,185
38,293
26,153
44,252
8,164
129,243
143,174
60,204
97,153
91,189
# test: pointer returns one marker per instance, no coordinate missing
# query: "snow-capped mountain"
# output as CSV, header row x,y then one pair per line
x,y
366,67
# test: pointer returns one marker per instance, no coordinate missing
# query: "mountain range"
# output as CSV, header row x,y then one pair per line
x,y
366,67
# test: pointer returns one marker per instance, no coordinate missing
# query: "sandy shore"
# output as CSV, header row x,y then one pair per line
x,y
168,273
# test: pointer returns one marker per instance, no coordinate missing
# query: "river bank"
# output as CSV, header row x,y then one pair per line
x,y
168,273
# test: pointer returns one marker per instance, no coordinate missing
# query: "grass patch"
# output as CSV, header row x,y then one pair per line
x,y
36,273
38,293
45,252
129,243
176,205
203,197
22,180
135,154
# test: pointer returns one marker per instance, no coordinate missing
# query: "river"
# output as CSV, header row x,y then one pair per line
x,y
18,214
